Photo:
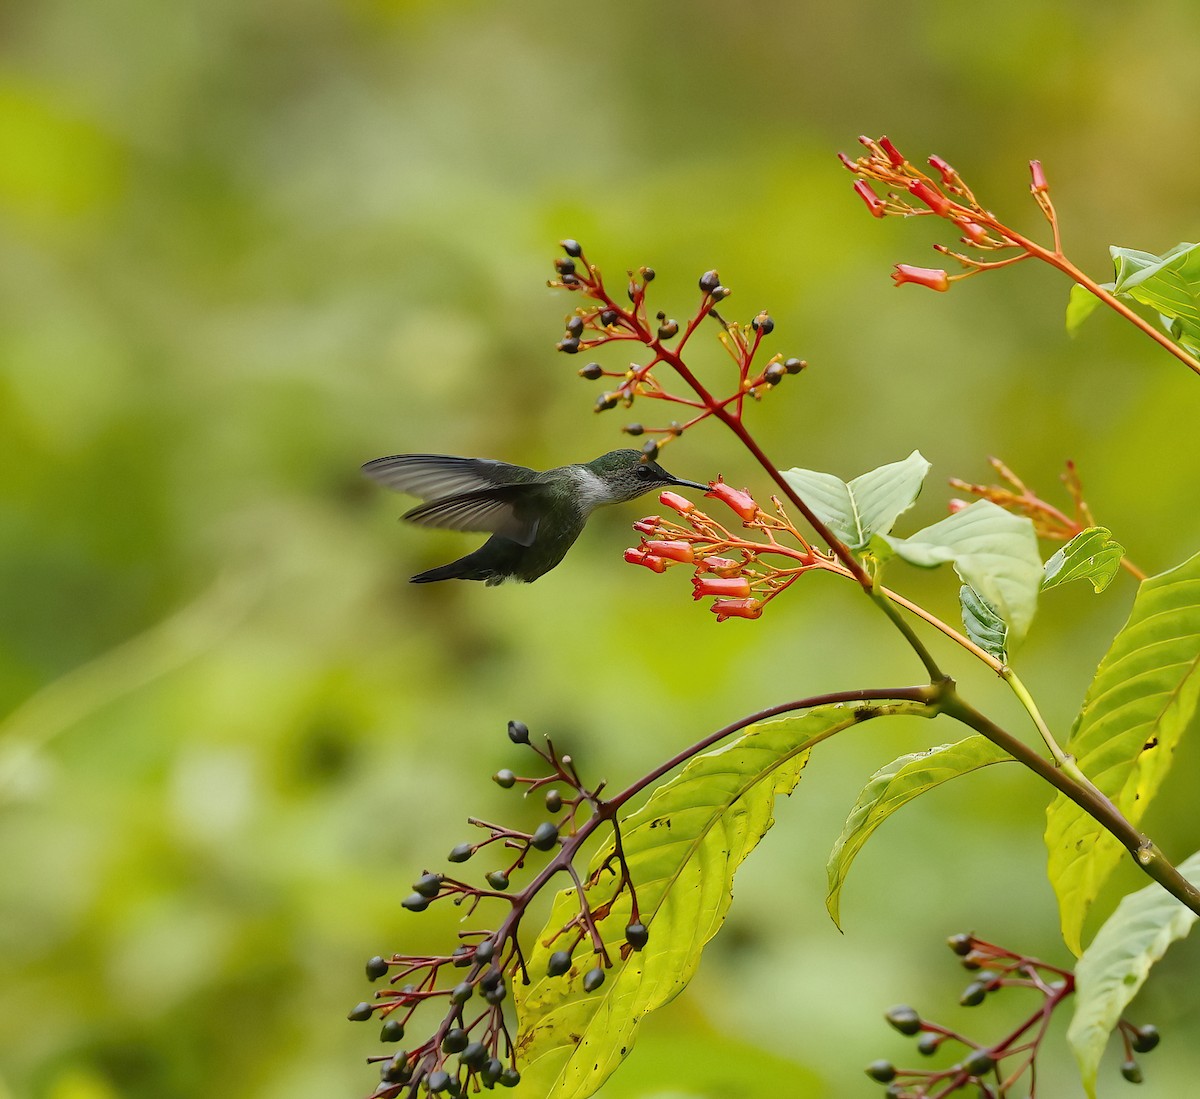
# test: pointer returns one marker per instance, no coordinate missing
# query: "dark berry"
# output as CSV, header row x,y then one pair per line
x,y
1145,1038
883,1071
462,957
668,329
438,1080
606,401
592,371
904,1019
518,732
360,1012
774,374
794,366
593,979
961,944
572,247
720,292
609,316
504,778
461,853
650,449
414,902
485,950
709,281
559,963
376,968
475,1055
553,801
564,266
647,274
980,1063
928,1044
491,1071
455,1040
1132,1072
391,1031
396,1071
510,1078
544,836
575,326
462,992
973,994
634,429
495,994
497,879
637,935
763,323
569,345
428,885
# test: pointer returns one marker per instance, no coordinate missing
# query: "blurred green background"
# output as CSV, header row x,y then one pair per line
x,y
246,247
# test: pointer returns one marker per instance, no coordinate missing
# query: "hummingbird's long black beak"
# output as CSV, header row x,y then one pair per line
x,y
688,484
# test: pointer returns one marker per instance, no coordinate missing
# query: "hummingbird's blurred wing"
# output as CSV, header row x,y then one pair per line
x,y
493,509
437,476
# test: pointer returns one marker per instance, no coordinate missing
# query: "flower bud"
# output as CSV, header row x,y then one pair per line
x,y
893,154
674,550
724,586
736,608
933,278
1039,185
722,566
867,193
947,173
649,525
676,502
737,499
932,198
635,556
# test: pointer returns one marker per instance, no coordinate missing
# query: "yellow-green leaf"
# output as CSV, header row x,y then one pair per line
x,y
1138,707
1116,965
894,786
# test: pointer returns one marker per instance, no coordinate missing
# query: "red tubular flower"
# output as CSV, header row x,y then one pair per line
x,y
720,585
648,525
932,198
972,231
737,499
677,503
874,203
736,608
943,168
934,278
675,551
893,154
1039,184
722,566
644,557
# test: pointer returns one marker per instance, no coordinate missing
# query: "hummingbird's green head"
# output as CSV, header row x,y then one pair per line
x,y
626,474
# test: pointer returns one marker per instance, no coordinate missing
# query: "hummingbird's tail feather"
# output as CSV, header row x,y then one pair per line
x,y
475,566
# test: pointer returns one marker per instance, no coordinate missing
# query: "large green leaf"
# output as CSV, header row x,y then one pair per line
x,y
1141,702
992,550
894,786
1113,969
868,505
1091,555
682,849
1169,283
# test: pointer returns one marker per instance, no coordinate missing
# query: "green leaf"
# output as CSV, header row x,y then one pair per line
x,y
1169,283
1090,555
1113,969
992,550
868,505
894,786
682,848
1138,707
1081,304
983,625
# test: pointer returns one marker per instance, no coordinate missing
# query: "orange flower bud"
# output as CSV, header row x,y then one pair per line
x,y
738,499
736,608
720,585
874,203
932,197
648,525
677,503
1039,184
642,557
934,278
673,550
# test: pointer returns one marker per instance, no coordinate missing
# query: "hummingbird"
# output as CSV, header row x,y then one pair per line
x,y
534,518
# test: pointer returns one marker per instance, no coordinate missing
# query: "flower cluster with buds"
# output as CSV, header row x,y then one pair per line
x,y
910,192
471,1046
607,321
729,566
993,1069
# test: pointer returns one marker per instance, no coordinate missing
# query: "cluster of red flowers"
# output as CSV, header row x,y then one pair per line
x,y
742,584
911,193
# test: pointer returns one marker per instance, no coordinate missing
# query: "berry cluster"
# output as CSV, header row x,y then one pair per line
x,y
606,321
472,1046
909,192
742,584
995,1068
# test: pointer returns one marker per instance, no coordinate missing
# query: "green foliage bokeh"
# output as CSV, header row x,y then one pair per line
x,y
246,247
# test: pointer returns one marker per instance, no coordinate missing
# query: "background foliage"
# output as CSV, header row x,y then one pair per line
x,y
246,247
